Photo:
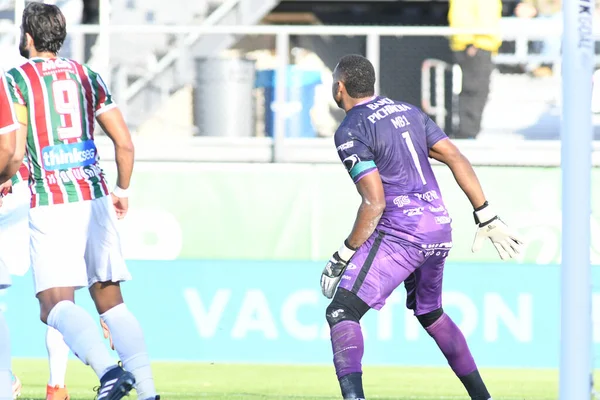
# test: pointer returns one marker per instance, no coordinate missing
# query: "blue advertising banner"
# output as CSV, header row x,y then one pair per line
x,y
273,312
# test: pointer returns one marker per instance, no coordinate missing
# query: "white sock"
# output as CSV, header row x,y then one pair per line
x,y
5,375
58,356
128,338
81,335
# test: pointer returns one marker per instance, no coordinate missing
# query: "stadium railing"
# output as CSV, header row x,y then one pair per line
x,y
315,150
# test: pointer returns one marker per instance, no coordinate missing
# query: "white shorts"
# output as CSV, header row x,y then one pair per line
x,y
14,233
76,245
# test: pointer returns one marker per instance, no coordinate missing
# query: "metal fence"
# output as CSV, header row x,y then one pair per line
x,y
436,91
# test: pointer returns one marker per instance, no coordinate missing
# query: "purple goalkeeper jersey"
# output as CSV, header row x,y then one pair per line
x,y
394,138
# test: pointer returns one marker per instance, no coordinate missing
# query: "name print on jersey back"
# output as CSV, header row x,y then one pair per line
x,y
385,107
395,138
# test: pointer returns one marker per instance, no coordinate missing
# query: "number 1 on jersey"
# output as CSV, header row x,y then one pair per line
x,y
414,155
66,103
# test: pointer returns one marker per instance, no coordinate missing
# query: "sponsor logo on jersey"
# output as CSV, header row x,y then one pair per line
x,y
346,146
411,212
446,245
443,220
401,201
74,175
437,209
428,196
67,156
351,161
55,64
442,253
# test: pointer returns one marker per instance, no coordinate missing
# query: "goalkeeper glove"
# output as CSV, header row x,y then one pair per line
x,y
332,274
490,226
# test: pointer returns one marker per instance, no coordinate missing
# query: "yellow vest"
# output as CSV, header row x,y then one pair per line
x,y
476,14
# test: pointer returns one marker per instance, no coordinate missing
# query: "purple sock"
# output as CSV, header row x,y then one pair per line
x,y
348,348
452,343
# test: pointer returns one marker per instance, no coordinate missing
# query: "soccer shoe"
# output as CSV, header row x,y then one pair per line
x,y
16,386
57,393
115,384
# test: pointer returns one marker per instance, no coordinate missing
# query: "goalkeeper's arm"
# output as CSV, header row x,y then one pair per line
x,y
446,152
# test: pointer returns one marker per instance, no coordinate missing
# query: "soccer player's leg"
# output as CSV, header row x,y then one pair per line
x,y
6,381
377,268
343,315
424,297
14,245
6,377
16,386
14,235
106,269
58,235
16,206
58,356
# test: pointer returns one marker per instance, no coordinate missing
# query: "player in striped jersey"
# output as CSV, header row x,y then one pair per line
x,y
14,254
73,215
8,128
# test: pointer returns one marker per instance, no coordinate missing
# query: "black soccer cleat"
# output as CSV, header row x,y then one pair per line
x,y
115,384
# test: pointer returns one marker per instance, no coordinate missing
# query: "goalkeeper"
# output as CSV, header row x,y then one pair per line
x,y
402,231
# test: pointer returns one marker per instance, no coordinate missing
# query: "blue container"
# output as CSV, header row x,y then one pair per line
x,y
300,98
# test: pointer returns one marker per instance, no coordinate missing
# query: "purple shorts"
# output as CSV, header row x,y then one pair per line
x,y
383,262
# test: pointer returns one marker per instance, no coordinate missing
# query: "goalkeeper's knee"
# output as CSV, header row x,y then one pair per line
x,y
345,306
429,319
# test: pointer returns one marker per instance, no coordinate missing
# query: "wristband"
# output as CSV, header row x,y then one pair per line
x,y
345,252
484,214
347,244
121,193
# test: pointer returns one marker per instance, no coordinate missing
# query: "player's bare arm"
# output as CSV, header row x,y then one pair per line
x,y
369,213
113,123
370,210
507,242
446,152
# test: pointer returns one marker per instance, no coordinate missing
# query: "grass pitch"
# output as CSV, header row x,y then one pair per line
x,y
222,381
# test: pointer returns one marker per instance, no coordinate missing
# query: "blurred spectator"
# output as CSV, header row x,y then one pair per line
x,y
549,47
474,55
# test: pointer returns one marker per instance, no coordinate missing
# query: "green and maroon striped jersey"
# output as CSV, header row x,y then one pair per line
x,y
63,99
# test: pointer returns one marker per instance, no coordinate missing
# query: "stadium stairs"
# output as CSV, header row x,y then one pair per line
x,y
161,64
